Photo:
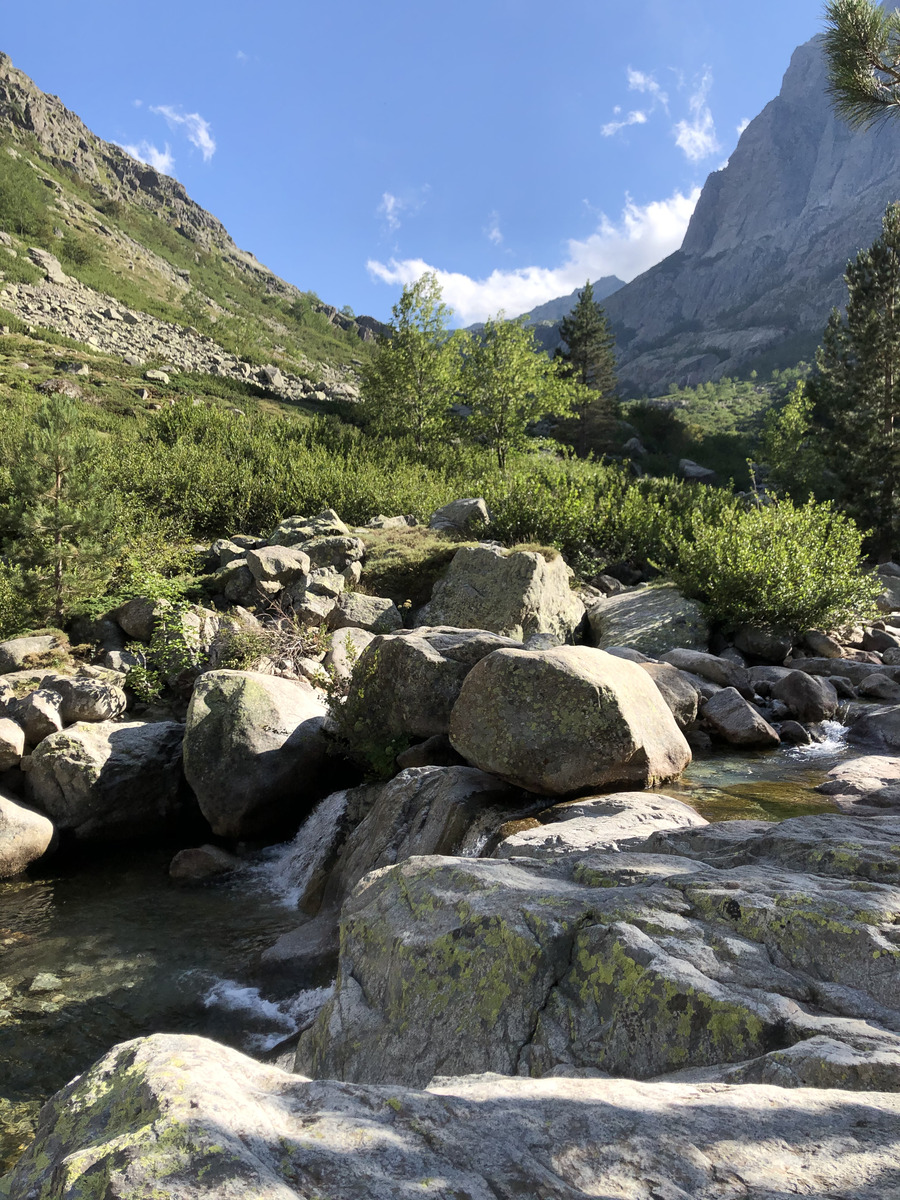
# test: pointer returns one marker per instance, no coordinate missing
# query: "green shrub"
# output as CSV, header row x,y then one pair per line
x,y
781,567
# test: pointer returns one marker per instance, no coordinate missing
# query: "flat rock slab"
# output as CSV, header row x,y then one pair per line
x,y
698,947
185,1117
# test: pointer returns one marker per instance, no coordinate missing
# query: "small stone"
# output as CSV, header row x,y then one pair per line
x,y
45,982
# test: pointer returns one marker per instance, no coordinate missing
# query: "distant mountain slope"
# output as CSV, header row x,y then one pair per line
x,y
555,310
762,261
135,234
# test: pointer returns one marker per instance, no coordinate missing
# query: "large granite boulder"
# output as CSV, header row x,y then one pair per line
x,y
515,593
738,722
423,810
651,620
110,781
24,836
565,721
461,516
255,751
375,614
181,1116
677,689
694,948
14,653
405,684
809,698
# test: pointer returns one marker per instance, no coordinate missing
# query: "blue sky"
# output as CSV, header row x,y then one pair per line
x,y
514,147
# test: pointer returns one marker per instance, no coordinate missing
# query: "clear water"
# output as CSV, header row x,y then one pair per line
x,y
131,953
124,951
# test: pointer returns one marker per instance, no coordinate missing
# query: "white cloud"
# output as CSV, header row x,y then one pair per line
x,y
146,152
743,125
640,81
634,118
195,127
697,136
390,208
242,57
642,236
137,103
493,232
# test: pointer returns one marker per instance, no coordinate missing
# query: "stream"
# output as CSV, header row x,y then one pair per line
x,y
103,947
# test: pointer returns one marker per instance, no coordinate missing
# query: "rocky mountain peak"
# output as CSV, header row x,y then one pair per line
x,y
763,259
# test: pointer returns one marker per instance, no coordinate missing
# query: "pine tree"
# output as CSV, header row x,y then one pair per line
x,y
862,53
408,386
590,362
857,387
63,516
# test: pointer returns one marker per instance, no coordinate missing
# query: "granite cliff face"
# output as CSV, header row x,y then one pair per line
x,y
763,259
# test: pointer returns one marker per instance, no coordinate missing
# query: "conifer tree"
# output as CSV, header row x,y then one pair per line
x,y
590,362
857,387
862,53
62,516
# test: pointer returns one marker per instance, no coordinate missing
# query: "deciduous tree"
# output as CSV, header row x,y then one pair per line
x,y
409,385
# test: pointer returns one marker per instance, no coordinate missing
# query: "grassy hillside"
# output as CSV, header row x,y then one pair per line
x,y
144,262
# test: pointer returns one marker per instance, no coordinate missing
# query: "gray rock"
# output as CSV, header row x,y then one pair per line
x,y
877,727
878,687
821,645
515,594
410,680
14,653
254,751
277,564
12,743
202,862
598,823
245,1128
651,620
565,721
461,516
737,721
854,672
24,836
39,714
676,689
762,643
49,264
157,376
85,699
347,644
110,781
137,617
697,947
293,530
375,614
708,666
326,581
809,698
435,751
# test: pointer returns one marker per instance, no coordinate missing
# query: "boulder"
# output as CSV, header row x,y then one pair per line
x,y
202,862
24,836
821,644
14,653
137,616
697,947
410,680
862,777
676,689
293,530
12,743
809,698
878,727
183,1116
110,781
737,721
879,687
86,699
461,516
598,823
650,619
326,581
435,751
763,643
851,670
335,552
516,594
708,666
49,264
277,564
375,614
39,714
347,644
565,721
254,751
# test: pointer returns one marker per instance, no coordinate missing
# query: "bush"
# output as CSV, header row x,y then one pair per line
x,y
782,567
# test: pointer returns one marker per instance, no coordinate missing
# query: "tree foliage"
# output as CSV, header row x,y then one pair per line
x,y
857,387
509,384
862,52
408,386
62,512
589,360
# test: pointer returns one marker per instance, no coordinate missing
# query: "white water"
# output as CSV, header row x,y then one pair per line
x,y
285,870
834,744
269,1021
